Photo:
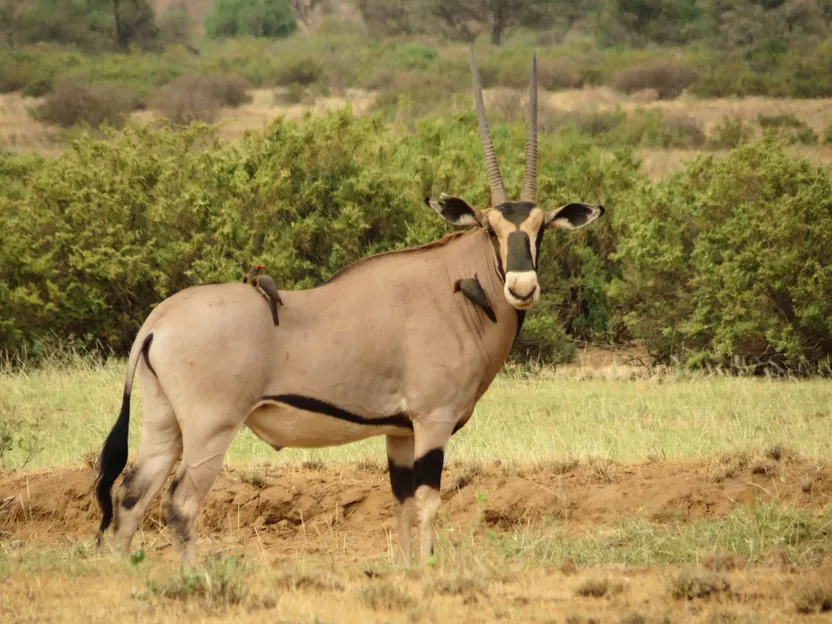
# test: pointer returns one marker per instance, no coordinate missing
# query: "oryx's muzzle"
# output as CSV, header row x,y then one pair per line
x,y
521,287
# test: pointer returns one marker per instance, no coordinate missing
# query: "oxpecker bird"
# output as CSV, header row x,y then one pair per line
x,y
266,286
470,287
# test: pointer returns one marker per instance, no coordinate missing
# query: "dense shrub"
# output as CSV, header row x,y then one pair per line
x,y
730,258
198,97
668,78
99,235
304,70
787,128
730,132
79,102
650,128
255,18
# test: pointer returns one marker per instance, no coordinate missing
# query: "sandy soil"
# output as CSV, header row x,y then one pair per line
x,y
322,537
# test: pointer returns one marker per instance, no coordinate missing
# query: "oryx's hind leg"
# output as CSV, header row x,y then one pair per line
x,y
161,446
400,465
206,437
431,437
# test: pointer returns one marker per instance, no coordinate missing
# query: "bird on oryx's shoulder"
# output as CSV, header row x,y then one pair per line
x,y
265,285
473,291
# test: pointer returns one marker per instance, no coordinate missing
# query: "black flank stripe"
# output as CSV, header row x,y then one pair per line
x,y
317,406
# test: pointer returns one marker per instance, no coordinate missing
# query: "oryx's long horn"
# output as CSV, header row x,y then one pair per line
x,y
495,181
529,191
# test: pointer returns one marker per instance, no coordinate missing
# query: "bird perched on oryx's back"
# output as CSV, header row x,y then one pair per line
x,y
265,284
470,287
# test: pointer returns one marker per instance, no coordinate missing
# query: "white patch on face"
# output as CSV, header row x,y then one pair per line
x,y
521,289
402,407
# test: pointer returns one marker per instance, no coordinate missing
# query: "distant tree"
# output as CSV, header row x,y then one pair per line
x,y
389,18
133,22
465,19
255,18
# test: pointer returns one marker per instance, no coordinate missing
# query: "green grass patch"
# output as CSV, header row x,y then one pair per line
x,y
69,407
752,533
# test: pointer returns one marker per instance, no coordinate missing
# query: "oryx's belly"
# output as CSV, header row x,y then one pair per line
x,y
294,423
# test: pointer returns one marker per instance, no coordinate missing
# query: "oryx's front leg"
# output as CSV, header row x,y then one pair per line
x,y
400,465
431,436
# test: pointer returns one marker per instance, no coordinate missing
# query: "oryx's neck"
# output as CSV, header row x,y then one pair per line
x,y
474,254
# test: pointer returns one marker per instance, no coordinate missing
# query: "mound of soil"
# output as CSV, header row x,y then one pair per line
x,y
278,502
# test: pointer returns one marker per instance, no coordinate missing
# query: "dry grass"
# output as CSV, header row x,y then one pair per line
x,y
19,131
815,598
692,584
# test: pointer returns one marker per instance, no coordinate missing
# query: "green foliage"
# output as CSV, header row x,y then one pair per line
x,y
788,128
731,258
254,18
729,133
220,582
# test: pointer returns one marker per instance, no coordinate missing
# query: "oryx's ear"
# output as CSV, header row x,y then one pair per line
x,y
573,216
456,210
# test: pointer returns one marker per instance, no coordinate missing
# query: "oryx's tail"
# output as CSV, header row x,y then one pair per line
x,y
114,452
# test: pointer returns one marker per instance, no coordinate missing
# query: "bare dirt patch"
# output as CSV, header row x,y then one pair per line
x,y
281,502
318,539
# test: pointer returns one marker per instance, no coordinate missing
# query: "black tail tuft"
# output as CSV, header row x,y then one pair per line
x,y
112,462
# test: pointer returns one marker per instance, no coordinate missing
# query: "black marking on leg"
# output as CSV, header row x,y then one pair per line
x,y
145,350
178,524
131,493
402,480
309,404
173,485
428,468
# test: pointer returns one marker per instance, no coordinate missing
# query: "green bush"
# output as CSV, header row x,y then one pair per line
x,y
254,18
788,128
731,258
99,235
728,259
729,133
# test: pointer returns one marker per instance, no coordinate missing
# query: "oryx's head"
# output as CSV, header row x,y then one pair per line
x,y
516,227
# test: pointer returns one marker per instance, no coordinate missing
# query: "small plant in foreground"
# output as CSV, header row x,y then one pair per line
x,y
691,584
219,582
598,588
815,598
385,596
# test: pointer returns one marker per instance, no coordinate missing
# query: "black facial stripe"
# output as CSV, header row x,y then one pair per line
x,y
515,212
402,481
538,241
519,253
428,468
310,404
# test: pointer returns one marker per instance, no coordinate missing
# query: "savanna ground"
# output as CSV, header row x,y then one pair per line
x,y
600,491
20,132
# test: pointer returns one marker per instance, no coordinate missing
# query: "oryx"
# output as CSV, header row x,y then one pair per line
x,y
384,347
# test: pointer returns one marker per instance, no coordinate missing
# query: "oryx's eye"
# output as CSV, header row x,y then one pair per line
x,y
490,230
